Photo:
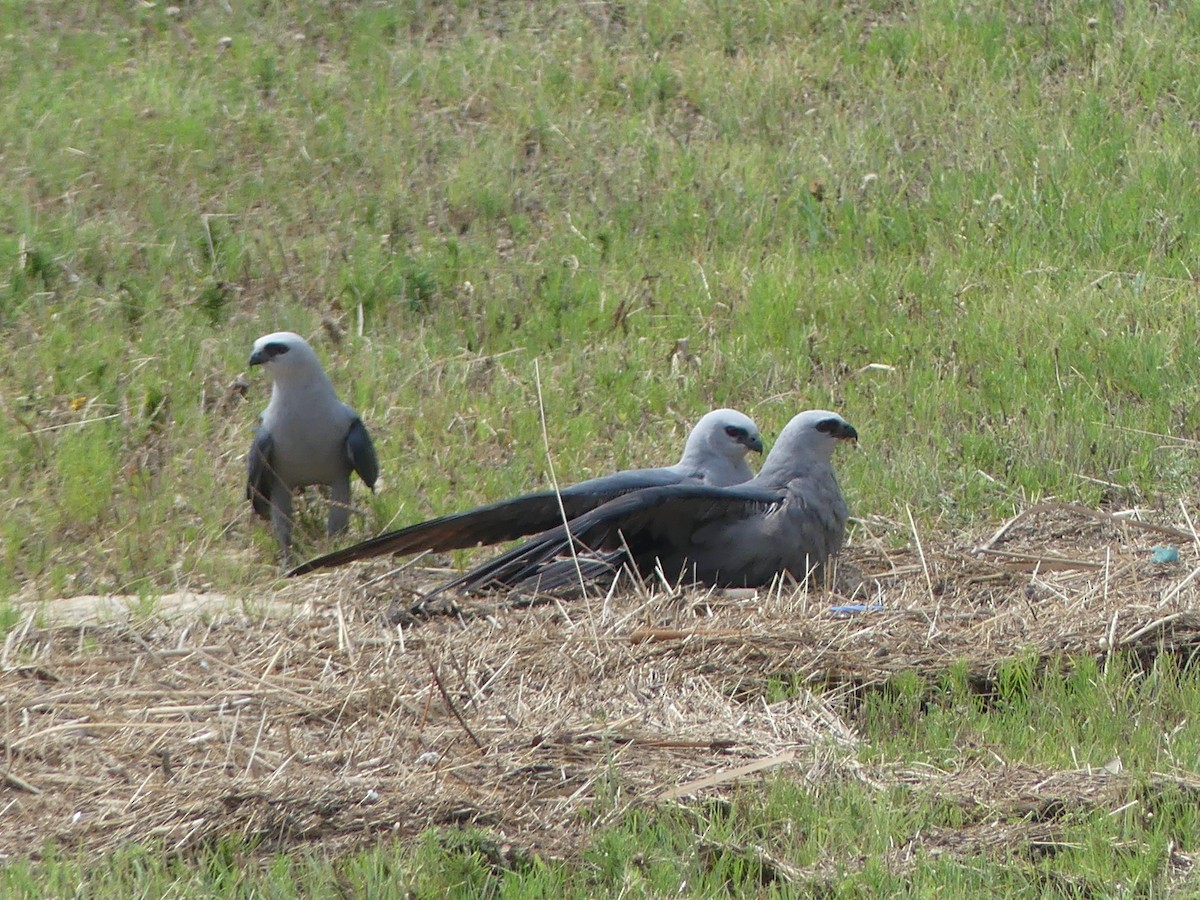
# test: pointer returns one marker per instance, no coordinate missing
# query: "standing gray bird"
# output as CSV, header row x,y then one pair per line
x,y
305,436
715,453
791,518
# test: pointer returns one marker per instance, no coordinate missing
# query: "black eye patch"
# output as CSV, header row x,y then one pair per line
x,y
275,349
734,432
829,426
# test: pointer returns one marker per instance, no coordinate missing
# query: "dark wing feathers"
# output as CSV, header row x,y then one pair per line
x,y
647,523
496,523
260,472
587,568
361,453
668,514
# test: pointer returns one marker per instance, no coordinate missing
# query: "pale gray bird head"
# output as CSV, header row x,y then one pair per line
x,y
810,436
816,432
723,434
286,357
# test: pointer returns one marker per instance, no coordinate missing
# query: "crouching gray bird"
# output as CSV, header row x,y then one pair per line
x,y
715,454
790,518
305,436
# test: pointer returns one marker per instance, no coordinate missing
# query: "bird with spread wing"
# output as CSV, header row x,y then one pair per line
x,y
790,518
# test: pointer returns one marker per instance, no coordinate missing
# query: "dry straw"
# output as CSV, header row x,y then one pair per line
x,y
543,720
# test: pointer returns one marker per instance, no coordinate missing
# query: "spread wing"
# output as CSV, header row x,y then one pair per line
x,y
496,523
639,528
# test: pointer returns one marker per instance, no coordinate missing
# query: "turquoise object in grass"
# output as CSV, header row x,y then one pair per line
x,y
1164,555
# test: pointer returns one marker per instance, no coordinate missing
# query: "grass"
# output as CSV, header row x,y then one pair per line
x,y
995,203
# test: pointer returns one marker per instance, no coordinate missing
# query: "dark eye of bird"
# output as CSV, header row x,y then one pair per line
x,y
829,426
275,349
734,432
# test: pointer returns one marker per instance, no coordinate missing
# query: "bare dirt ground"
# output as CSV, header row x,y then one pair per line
x,y
329,717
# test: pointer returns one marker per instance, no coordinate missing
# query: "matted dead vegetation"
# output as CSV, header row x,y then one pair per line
x,y
342,723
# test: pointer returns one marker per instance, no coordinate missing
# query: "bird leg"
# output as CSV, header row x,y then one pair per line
x,y
281,514
339,509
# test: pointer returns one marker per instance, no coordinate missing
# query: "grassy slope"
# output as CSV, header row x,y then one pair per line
x,y
999,204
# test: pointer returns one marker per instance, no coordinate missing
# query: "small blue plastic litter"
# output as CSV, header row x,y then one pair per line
x,y
853,609
1164,555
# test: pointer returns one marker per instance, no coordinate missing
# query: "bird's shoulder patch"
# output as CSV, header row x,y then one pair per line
x,y
360,451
